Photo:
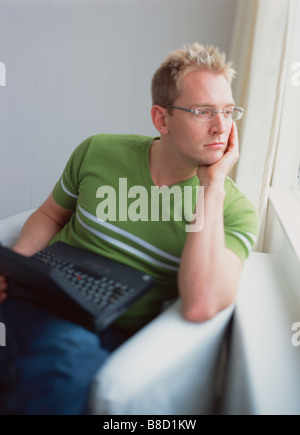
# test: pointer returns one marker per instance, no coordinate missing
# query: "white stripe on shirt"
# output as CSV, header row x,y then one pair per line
x,y
124,246
130,236
244,239
67,191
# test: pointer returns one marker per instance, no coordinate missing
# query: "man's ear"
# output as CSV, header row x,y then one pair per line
x,y
158,115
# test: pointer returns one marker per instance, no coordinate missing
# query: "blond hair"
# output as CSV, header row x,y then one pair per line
x,y
167,80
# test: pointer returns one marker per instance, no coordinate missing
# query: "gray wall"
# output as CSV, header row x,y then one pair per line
x,y
80,67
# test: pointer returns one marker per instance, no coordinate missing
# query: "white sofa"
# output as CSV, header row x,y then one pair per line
x,y
170,367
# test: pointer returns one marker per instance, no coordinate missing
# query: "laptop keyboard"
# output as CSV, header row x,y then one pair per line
x,y
102,291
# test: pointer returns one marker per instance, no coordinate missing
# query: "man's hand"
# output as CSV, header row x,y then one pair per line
x,y
220,169
37,232
3,287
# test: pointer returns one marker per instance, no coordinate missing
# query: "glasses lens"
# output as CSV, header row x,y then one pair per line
x,y
204,114
237,113
208,113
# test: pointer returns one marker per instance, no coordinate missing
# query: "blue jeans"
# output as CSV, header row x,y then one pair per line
x,y
48,363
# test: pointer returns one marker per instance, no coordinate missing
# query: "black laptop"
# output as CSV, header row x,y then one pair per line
x,y
74,283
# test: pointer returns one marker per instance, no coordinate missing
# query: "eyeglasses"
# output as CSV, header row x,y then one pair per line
x,y
209,113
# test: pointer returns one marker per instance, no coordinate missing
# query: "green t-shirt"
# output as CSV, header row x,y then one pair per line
x,y
107,182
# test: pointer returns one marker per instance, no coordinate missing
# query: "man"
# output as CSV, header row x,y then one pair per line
x,y
193,110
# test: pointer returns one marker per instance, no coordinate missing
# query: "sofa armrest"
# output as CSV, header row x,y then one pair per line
x,y
167,368
10,228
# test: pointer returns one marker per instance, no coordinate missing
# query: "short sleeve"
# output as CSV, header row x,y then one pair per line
x,y
66,190
241,223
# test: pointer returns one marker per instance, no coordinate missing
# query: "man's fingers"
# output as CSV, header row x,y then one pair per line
x,y
234,134
2,279
233,141
3,283
3,297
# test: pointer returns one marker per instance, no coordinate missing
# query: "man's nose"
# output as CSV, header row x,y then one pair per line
x,y
218,124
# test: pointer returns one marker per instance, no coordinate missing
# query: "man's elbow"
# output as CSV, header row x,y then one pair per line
x,y
199,314
202,312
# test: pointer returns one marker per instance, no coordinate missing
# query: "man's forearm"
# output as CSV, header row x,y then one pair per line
x,y
42,226
208,277
38,230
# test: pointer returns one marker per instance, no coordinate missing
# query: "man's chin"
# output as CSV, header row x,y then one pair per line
x,y
210,160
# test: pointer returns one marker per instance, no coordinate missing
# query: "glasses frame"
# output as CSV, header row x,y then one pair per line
x,y
196,112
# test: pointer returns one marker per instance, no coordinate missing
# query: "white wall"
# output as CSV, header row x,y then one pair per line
x,y
79,67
